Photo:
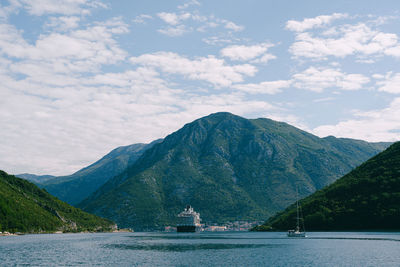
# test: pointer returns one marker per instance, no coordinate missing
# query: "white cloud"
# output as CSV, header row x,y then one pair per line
x,y
64,23
317,80
189,3
309,23
64,112
7,10
393,51
184,22
70,7
325,99
78,50
174,31
174,21
359,40
210,69
218,40
374,126
269,87
141,19
144,79
63,128
391,84
243,52
173,18
264,59
232,26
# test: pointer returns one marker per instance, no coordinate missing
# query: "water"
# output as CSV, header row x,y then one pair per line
x,y
201,249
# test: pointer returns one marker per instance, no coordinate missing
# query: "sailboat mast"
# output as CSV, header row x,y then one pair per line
x,y
297,208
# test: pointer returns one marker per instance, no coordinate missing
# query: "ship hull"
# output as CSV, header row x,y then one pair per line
x,y
187,229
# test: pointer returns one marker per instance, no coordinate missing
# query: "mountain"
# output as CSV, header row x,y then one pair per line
x,y
367,198
228,168
78,186
24,207
37,179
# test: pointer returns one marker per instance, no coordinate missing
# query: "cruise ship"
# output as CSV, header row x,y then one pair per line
x,y
188,221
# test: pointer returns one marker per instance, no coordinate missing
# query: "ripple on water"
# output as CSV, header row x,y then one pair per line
x,y
168,247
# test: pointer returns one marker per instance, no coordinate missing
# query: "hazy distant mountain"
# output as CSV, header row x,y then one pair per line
x,y
78,186
37,179
227,168
24,207
366,198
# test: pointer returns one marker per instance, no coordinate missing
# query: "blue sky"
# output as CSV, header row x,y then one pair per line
x,y
82,77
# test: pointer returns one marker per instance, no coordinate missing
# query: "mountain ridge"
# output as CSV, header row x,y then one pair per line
x,y
225,164
79,185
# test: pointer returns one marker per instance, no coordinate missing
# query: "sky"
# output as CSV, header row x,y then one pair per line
x,y
79,78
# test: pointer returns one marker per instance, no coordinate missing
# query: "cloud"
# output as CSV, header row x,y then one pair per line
x,y
345,40
62,110
7,10
141,19
174,31
174,21
217,40
391,84
310,23
61,129
78,50
173,18
244,53
232,26
189,3
269,87
324,99
209,69
184,22
374,126
318,79
139,80
63,23
70,7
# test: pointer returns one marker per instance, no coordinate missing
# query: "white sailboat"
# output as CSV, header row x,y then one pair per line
x,y
297,232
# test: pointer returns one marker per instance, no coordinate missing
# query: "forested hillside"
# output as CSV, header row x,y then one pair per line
x,y
24,207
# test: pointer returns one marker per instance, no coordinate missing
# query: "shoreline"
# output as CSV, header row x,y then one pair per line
x,y
60,232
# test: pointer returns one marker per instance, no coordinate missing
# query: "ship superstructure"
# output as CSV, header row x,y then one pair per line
x,y
188,220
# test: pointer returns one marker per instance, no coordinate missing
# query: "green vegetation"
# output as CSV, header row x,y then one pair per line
x,y
368,198
78,186
228,168
26,208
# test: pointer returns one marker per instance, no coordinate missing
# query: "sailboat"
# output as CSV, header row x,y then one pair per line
x,y
297,232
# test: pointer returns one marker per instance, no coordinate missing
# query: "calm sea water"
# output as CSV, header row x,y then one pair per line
x,y
201,249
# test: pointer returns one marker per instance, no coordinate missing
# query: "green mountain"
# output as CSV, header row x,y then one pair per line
x,y
367,198
78,186
24,207
36,179
228,168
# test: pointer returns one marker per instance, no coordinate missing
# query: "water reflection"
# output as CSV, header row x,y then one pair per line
x,y
230,237
186,247
183,236
357,238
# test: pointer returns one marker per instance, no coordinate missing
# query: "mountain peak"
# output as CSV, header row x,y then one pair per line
x,y
230,167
